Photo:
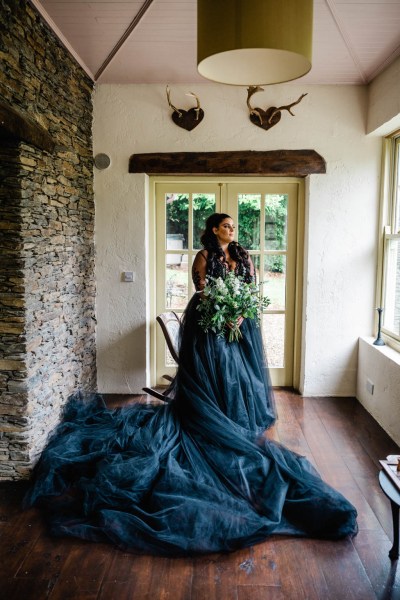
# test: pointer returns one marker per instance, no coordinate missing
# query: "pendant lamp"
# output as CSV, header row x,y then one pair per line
x,y
254,42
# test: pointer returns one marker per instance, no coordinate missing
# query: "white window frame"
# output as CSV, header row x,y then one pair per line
x,y
390,209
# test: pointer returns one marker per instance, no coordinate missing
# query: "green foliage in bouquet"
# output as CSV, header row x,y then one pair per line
x,y
225,300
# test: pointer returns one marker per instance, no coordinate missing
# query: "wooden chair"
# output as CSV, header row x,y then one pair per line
x,y
170,324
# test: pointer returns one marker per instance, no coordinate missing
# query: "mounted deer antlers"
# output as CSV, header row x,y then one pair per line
x,y
253,89
187,119
272,115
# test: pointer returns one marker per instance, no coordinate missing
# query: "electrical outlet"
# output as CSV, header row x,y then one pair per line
x,y
370,387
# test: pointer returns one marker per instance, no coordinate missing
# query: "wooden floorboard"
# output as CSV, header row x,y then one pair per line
x,y
336,434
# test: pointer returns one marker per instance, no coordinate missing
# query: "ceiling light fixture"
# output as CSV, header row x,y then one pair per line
x,y
254,42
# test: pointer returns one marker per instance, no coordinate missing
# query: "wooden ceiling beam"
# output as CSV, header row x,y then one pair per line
x,y
289,163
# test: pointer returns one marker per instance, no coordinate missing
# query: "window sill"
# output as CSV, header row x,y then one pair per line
x,y
391,353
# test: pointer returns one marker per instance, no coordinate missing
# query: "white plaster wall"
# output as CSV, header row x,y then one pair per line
x,y
384,101
382,367
121,307
342,210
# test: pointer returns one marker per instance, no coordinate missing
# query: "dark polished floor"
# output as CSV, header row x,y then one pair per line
x,y
343,442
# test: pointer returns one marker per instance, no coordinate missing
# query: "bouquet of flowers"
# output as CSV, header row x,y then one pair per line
x,y
225,301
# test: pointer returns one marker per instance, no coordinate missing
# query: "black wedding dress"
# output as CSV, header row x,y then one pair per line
x,y
192,476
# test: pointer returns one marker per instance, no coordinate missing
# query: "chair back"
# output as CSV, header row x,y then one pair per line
x,y
170,324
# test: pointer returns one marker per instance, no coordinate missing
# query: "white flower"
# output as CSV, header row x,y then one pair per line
x,y
225,300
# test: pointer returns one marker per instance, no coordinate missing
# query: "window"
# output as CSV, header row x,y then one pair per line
x,y
391,254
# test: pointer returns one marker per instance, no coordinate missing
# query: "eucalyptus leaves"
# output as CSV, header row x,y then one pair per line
x,y
225,301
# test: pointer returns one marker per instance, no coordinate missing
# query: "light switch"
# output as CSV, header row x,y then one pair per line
x,y
128,276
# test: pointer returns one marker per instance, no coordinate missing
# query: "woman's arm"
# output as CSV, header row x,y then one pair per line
x,y
199,270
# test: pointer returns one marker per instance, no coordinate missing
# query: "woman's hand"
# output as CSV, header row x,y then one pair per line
x,y
239,321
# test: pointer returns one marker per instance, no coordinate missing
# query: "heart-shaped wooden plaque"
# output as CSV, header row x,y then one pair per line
x,y
261,117
188,119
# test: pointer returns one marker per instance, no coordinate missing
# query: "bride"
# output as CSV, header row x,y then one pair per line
x,y
196,475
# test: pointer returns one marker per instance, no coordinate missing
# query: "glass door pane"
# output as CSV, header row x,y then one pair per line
x,y
276,215
177,218
275,280
176,241
204,205
176,282
249,214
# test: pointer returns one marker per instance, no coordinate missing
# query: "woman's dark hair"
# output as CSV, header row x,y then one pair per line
x,y
210,241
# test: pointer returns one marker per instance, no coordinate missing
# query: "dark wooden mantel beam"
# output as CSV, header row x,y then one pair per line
x,y
21,127
290,163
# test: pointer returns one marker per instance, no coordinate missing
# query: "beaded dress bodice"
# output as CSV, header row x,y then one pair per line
x,y
215,266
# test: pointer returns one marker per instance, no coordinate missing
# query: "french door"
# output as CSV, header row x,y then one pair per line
x,y
269,218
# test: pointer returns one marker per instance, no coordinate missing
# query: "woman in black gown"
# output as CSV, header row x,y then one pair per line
x,y
195,475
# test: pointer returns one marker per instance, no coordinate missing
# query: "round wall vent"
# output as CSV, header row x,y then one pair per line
x,y
102,161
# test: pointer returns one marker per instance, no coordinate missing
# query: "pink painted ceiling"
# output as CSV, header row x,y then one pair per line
x,y
154,41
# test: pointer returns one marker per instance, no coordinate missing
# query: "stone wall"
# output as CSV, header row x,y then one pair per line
x,y
47,288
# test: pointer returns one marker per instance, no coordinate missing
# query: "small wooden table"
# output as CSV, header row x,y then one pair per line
x,y
393,493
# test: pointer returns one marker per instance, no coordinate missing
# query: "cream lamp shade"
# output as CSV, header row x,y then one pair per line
x,y
254,42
